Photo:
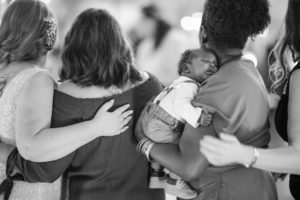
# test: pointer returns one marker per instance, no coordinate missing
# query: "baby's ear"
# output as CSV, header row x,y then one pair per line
x,y
186,68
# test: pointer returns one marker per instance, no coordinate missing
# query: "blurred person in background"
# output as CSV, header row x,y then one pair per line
x,y
159,46
284,57
97,67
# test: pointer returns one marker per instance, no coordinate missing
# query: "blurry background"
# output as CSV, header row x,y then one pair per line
x,y
185,18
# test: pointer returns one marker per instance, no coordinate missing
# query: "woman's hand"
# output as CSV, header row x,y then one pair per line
x,y
2,85
111,123
226,150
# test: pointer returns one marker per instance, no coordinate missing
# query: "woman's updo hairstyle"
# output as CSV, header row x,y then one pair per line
x,y
27,32
229,23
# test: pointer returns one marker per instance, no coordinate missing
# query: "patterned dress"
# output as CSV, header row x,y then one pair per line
x,y
8,109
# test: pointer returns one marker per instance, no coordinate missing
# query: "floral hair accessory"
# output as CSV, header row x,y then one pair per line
x,y
51,31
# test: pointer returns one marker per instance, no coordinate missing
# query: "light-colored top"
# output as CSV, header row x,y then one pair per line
x,y
8,112
178,101
162,62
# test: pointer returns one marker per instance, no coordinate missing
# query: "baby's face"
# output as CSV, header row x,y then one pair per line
x,y
203,65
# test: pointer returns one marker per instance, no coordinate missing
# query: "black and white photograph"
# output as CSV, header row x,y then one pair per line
x,y
149,99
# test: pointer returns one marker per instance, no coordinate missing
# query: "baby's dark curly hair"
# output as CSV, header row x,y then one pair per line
x,y
229,23
186,57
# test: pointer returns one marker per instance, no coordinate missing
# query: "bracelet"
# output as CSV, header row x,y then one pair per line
x,y
148,149
140,145
145,146
254,159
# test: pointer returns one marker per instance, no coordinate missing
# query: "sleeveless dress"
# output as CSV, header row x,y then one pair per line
x,y
8,109
281,120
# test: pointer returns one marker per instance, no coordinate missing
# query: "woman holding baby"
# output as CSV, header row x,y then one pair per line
x,y
237,97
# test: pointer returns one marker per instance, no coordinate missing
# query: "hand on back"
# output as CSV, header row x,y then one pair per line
x,y
112,123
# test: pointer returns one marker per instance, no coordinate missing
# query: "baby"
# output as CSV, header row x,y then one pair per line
x,y
163,119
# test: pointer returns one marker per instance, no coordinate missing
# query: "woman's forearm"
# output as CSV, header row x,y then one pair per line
x,y
52,144
186,166
184,159
281,160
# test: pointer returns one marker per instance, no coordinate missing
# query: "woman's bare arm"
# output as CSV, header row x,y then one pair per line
x,y
37,142
282,160
185,160
287,159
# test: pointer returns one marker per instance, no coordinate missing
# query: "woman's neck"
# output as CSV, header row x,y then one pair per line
x,y
224,54
77,91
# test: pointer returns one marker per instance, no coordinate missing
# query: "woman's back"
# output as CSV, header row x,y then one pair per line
x,y
9,104
108,167
8,112
239,95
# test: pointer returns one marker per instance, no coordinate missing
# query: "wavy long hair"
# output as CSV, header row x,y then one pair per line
x,y
282,57
23,32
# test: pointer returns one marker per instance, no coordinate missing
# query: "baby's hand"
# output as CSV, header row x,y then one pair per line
x,y
205,118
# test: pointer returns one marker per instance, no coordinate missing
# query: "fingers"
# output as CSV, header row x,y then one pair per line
x,y
205,119
211,157
127,113
214,154
105,107
228,138
121,109
214,143
124,129
125,121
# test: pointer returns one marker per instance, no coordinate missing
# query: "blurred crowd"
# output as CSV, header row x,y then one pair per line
x,y
160,32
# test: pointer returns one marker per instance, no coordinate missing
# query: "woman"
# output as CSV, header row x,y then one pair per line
x,y
26,103
160,47
283,159
97,66
238,97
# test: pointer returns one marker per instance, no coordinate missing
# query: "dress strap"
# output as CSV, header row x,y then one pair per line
x,y
167,90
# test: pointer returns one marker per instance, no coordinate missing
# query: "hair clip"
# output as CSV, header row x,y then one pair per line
x,y
51,30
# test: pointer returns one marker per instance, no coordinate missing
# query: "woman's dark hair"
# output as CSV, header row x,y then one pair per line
x,y
162,27
292,29
96,53
229,23
23,32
